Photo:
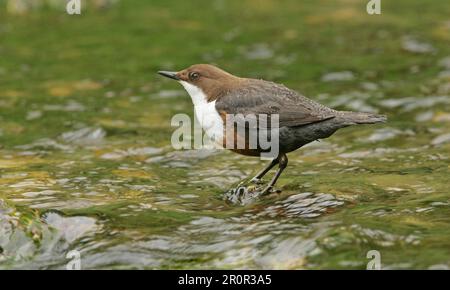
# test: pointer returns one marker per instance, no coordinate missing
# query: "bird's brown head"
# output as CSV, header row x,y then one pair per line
x,y
211,80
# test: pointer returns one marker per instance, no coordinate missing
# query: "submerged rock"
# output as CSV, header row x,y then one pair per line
x,y
46,144
445,74
70,106
369,86
32,115
168,94
441,139
18,234
338,76
258,51
387,133
411,44
411,103
71,228
424,116
142,151
84,136
304,205
445,62
376,153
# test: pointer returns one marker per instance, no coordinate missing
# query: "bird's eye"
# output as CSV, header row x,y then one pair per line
x,y
194,76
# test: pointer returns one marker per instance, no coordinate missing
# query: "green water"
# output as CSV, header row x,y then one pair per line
x,y
86,161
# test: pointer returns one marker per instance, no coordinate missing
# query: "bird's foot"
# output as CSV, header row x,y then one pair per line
x,y
242,195
245,194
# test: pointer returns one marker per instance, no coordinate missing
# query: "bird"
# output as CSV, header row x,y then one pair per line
x,y
217,94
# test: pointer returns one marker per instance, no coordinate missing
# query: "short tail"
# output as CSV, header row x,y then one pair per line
x,y
361,118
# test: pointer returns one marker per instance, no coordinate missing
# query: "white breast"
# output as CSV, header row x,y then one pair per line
x,y
205,112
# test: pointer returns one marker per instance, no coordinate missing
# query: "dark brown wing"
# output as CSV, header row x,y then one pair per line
x,y
262,97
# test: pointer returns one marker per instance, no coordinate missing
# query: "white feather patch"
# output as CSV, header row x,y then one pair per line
x,y
205,112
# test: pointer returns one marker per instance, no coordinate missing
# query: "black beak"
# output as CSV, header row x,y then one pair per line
x,y
169,74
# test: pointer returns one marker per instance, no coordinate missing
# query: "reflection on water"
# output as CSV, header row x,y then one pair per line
x,y
128,205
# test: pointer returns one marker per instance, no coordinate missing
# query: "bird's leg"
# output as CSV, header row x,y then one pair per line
x,y
257,178
283,160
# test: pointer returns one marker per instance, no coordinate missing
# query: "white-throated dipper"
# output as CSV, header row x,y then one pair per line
x,y
216,94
